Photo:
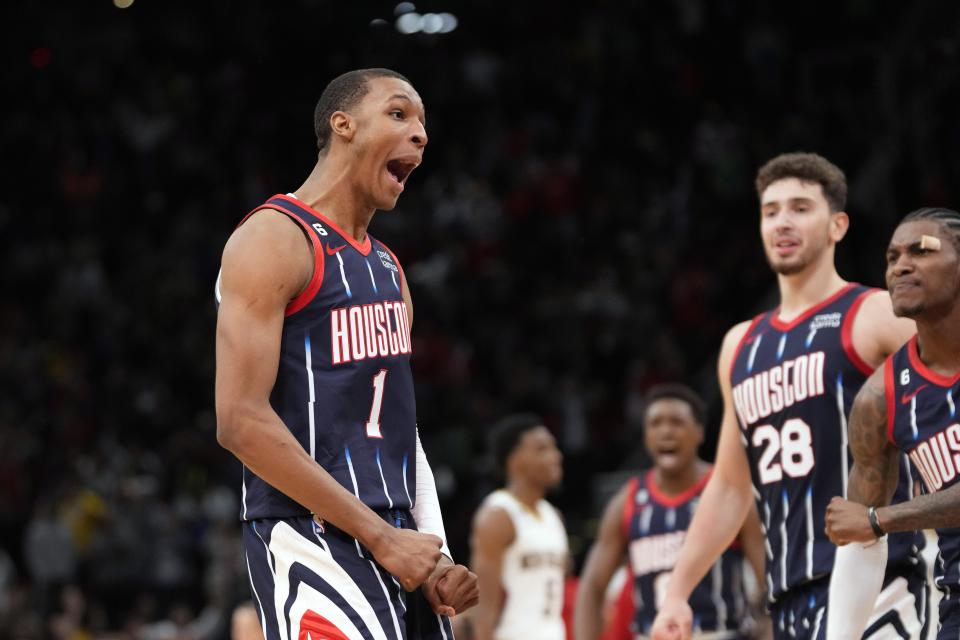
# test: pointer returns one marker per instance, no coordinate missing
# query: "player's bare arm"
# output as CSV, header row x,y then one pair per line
x,y
751,539
493,532
877,332
605,556
873,477
720,514
266,263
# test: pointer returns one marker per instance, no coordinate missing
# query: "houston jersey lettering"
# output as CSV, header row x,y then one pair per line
x,y
655,525
793,385
922,421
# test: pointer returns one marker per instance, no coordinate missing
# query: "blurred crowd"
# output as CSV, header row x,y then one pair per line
x,y
584,226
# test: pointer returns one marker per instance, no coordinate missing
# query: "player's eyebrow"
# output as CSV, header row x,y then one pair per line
x,y
403,96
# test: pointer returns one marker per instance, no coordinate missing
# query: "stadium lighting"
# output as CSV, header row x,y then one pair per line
x,y
412,22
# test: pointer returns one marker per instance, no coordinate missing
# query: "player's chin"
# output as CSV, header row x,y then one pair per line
x,y
554,478
906,308
787,267
387,202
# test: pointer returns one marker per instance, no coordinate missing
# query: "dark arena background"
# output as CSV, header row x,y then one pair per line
x,y
584,226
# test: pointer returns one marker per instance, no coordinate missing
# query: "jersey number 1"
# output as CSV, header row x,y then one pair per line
x,y
373,422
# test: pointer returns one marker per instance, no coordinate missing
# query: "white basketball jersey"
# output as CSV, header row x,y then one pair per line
x,y
534,567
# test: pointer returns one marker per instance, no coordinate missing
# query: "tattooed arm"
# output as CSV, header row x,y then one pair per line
x,y
875,471
938,510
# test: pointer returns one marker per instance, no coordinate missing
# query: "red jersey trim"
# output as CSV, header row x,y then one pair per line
x,y
316,280
927,372
629,507
779,325
743,340
665,500
890,393
319,261
403,277
362,247
846,334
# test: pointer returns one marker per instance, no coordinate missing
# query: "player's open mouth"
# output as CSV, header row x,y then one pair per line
x,y
786,246
400,169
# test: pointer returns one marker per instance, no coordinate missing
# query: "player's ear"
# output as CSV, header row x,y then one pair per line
x,y
343,125
839,223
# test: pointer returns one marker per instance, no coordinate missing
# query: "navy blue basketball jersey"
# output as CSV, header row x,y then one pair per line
x,y
655,526
344,386
793,386
922,421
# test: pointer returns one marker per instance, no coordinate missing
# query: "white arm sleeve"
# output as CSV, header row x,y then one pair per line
x,y
854,586
426,506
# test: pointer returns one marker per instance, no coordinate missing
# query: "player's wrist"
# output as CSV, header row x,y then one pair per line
x,y
875,525
376,537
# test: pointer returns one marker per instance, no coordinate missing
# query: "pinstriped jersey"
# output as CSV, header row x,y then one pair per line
x,y
344,387
655,525
793,386
922,421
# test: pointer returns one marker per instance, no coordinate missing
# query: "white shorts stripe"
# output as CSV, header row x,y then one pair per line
x,y
289,547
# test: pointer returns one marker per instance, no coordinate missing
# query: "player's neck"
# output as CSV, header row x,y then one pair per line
x,y
800,291
527,494
675,483
938,343
329,190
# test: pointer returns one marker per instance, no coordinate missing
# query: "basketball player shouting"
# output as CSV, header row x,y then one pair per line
x,y
314,392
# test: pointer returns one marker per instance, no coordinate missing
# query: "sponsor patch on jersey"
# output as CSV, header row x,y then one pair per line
x,y
387,260
826,321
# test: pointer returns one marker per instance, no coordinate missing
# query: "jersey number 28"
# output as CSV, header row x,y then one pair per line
x,y
789,450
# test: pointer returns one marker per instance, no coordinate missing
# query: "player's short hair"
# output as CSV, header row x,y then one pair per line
x,y
676,391
947,218
342,94
808,167
507,434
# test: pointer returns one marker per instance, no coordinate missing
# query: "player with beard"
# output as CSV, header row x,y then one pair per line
x,y
518,539
646,521
908,405
788,378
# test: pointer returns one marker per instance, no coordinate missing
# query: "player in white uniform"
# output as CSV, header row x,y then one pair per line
x,y
519,542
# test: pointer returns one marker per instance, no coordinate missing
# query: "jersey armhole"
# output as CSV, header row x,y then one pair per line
x,y
743,340
316,280
846,333
891,397
629,505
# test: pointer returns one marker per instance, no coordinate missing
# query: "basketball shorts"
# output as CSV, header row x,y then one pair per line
x,y
311,581
900,613
949,616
